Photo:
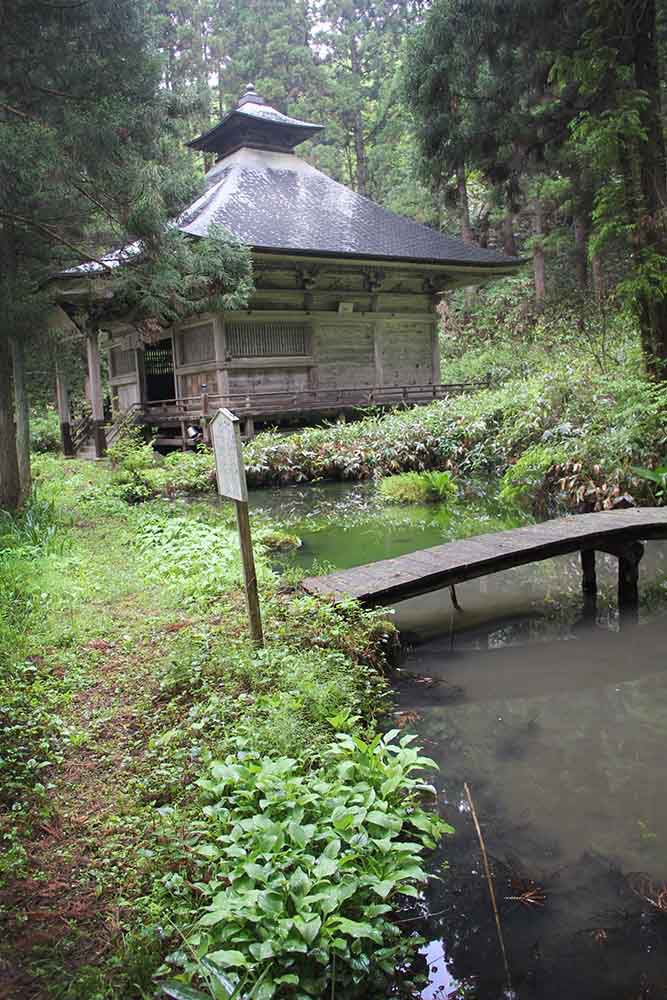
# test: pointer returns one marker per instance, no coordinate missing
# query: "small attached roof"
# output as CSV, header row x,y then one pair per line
x,y
253,122
275,201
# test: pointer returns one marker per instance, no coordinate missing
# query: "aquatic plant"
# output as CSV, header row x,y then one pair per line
x,y
278,541
418,487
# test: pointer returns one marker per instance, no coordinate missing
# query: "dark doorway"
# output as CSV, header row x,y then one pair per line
x,y
159,371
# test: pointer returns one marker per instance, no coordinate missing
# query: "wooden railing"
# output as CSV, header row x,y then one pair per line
x,y
284,402
124,420
81,431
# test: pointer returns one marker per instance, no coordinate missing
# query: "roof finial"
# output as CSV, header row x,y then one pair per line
x,y
250,96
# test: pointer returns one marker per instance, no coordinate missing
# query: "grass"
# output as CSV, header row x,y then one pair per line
x,y
419,487
127,667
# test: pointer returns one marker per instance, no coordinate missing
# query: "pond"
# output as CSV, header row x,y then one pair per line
x,y
557,722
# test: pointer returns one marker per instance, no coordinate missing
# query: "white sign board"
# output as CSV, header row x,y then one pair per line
x,y
226,438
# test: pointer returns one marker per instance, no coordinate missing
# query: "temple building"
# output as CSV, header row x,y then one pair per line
x,y
344,309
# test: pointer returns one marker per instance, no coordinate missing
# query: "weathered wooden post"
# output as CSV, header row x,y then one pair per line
x,y
64,415
589,586
589,583
629,557
226,436
96,397
206,435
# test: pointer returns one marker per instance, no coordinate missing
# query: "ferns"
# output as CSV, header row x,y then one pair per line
x,y
419,487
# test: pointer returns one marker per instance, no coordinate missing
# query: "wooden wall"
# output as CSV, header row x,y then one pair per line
x,y
305,328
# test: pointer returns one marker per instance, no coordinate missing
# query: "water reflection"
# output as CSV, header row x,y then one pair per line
x,y
558,722
559,725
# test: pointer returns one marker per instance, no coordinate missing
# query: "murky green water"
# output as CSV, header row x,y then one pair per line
x,y
558,723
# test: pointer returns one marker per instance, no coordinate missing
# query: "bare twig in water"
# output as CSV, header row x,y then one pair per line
x,y
655,894
489,882
455,600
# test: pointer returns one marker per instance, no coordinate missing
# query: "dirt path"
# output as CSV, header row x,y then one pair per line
x,y
65,915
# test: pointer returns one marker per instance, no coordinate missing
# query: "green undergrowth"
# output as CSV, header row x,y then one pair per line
x,y
123,638
595,421
303,870
566,384
419,487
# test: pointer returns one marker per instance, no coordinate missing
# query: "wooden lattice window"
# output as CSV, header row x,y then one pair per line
x,y
272,340
197,344
122,362
158,359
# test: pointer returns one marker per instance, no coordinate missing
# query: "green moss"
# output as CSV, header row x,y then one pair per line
x,y
278,541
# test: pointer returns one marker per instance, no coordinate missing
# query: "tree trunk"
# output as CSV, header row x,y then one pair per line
x,y
509,243
358,126
598,278
580,251
651,227
538,254
10,483
466,228
484,228
22,416
464,205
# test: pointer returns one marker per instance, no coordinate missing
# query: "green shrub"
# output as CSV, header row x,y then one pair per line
x,y
522,481
658,479
419,487
190,471
130,452
45,431
33,529
302,869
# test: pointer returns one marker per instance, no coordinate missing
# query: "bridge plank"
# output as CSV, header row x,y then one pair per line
x,y
466,559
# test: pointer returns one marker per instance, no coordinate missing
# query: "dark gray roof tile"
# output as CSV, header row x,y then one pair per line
x,y
277,201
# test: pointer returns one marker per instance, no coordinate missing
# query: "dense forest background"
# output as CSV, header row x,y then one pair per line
x,y
530,125
524,124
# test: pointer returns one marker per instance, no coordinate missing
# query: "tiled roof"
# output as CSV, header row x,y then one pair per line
x,y
253,122
277,201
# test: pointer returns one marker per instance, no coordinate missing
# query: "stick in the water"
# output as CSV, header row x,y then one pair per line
x,y
489,882
455,600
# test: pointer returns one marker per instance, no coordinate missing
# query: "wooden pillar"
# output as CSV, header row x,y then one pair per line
x,y
435,355
378,331
204,414
96,401
589,585
222,373
629,557
249,427
64,415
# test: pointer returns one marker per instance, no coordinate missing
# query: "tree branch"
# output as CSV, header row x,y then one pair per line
x,y
99,204
47,231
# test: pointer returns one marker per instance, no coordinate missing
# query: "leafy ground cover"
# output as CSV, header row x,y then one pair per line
x,y
126,675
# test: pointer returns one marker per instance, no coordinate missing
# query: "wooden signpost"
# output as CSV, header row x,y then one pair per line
x,y
226,439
